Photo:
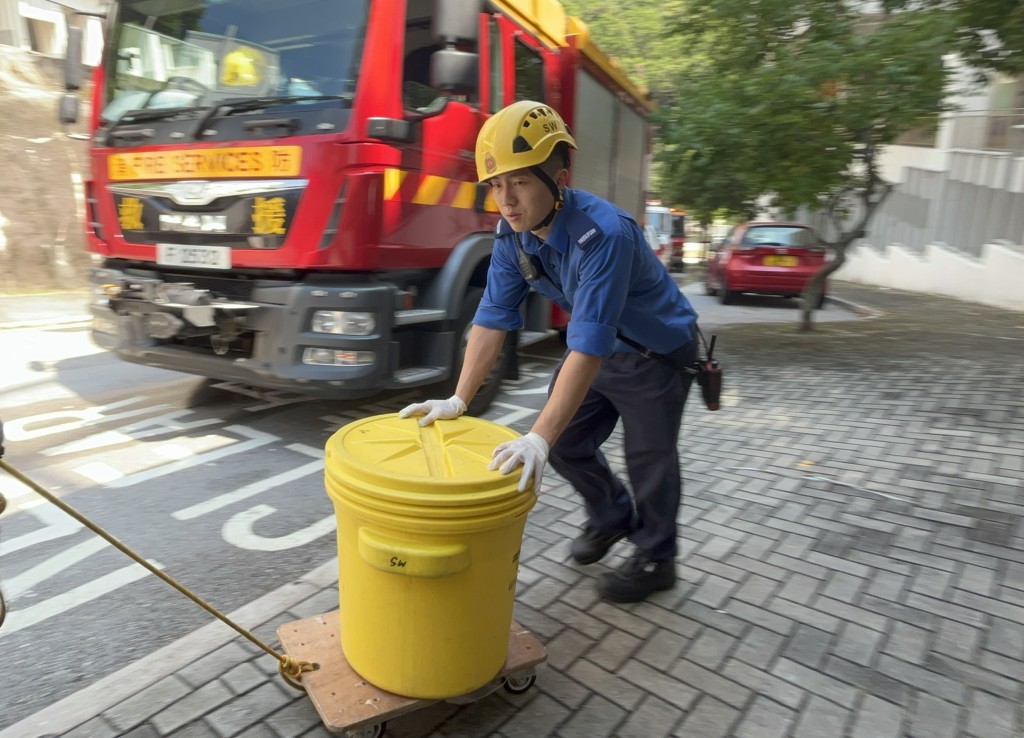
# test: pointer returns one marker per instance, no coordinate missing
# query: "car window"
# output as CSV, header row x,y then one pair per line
x,y
791,236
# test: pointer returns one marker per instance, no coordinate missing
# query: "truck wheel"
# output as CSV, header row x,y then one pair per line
x,y
492,384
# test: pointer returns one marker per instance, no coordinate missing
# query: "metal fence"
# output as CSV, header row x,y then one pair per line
x,y
933,207
939,207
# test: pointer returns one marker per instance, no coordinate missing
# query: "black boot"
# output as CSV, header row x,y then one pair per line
x,y
638,577
591,546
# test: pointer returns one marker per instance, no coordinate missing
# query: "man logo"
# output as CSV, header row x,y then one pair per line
x,y
489,163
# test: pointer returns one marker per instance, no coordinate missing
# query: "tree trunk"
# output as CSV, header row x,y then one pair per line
x,y
870,202
816,285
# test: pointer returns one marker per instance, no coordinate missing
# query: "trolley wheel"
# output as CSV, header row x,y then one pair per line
x,y
370,731
517,684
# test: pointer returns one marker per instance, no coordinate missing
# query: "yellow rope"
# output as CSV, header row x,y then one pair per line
x,y
290,669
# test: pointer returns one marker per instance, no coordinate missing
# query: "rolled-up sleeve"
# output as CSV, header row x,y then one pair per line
x,y
505,291
595,339
604,276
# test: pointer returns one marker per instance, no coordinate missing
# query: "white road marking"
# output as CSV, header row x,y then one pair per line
x,y
131,679
238,531
518,413
543,390
67,558
256,439
34,614
99,472
56,524
255,488
162,424
21,429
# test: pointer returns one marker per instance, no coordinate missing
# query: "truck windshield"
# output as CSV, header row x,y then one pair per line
x,y
198,53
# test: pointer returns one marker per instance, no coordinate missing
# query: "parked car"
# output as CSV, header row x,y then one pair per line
x,y
766,258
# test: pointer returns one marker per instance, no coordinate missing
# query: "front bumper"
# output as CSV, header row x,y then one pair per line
x,y
260,339
768,280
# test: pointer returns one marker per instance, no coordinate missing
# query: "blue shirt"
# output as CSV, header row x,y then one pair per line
x,y
597,266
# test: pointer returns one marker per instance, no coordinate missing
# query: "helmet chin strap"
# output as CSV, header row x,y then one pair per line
x,y
559,198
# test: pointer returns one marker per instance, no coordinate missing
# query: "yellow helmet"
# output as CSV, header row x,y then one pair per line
x,y
241,67
519,136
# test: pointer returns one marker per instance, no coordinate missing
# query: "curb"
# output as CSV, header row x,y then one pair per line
x,y
861,311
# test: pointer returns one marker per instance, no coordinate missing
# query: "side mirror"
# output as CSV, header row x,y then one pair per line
x,y
68,111
454,71
73,59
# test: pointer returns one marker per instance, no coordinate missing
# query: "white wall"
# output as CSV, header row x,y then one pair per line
x,y
945,266
993,279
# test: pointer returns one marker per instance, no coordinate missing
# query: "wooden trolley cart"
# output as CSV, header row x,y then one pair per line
x,y
354,708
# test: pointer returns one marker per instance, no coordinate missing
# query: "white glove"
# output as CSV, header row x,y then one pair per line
x,y
530,450
448,409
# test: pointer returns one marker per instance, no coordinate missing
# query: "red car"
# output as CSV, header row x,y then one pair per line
x,y
767,258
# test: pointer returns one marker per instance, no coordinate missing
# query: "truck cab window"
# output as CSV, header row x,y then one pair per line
x,y
419,46
167,55
497,68
529,73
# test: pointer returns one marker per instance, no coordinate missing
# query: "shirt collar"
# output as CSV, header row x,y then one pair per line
x,y
558,238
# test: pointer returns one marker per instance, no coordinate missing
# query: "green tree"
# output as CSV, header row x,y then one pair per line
x,y
989,33
636,35
794,101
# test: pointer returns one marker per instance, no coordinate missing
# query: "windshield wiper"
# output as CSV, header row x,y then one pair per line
x,y
244,104
142,116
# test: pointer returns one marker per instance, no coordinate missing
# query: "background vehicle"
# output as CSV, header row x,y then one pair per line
x,y
658,218
654,242
678,260
669,225
284,195
766,258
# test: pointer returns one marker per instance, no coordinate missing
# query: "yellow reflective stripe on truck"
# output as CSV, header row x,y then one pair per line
x,y
429,189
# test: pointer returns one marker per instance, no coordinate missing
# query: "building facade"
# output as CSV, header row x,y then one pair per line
x,y
954,225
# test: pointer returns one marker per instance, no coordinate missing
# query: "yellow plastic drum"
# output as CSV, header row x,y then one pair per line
x,y
428,552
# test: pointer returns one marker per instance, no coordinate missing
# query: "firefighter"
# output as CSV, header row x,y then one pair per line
x,y
591,259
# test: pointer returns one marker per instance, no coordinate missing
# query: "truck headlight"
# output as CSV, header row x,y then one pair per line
x,y
330,357
343,323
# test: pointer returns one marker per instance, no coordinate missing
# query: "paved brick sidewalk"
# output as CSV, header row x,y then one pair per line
x,y
852,564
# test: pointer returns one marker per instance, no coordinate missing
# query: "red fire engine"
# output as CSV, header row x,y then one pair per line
x,y
282,192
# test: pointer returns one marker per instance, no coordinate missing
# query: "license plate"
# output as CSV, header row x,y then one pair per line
x,y
780,261
206,257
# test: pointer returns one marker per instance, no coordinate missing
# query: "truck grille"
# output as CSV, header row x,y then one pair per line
x,y
235,289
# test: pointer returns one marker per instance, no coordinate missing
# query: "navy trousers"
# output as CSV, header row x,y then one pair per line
x,y
648,395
